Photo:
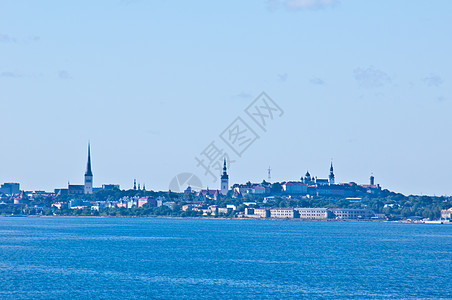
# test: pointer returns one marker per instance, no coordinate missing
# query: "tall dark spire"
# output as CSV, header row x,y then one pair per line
x,y
225,171
331,177
88,165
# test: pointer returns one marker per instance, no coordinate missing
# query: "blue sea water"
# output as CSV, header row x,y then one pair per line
x,y
125,258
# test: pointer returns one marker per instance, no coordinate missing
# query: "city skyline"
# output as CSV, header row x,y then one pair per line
x,y
224,185
153,84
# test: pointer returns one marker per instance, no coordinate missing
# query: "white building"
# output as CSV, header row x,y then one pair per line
x,y
352,213
257,212
283,213
313,213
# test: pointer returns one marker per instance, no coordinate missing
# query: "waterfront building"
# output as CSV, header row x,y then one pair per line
x,y
313,213
352,213
257,212
284,213
446,214
224,180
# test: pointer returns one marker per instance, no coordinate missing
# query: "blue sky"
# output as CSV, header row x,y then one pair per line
x,y
152,83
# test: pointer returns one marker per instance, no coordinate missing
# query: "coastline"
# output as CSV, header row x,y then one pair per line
x,y
223,218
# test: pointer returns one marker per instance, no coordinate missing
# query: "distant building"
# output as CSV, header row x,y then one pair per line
x,y
307,179
313,213
331,177
319,181
88,188
74,189
110,187
208,194
252,188
242,189
311,180
259,190
295,187
10,188
224,180
352,213
61,192
446,214
257,212
284,213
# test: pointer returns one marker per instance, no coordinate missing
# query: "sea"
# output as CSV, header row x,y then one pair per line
x,y
157,258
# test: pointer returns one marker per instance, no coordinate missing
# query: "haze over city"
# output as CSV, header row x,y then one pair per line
x,y
152,84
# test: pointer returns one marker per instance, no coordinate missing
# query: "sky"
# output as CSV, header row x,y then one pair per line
x,y
157,86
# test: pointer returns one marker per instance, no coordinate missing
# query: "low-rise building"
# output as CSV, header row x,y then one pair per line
x,y
76,189
110,187
352,213
231,206
257,212
223,210
313,213
284,213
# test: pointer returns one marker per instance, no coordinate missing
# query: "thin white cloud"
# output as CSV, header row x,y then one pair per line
x,y
63,74
5,38
309,4
243,95
317,81
301,4
9,74
283,77
370,77
433,80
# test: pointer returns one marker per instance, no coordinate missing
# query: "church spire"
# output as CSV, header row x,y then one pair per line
x,y
88,165
224,180
331,177
225,171
88,188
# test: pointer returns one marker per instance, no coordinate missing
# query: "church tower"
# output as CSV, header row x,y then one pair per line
x,y
224,180
89,174
331,177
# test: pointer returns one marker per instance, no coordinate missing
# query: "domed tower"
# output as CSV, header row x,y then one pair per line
x,y
307,178
224,180
89,174
331,177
